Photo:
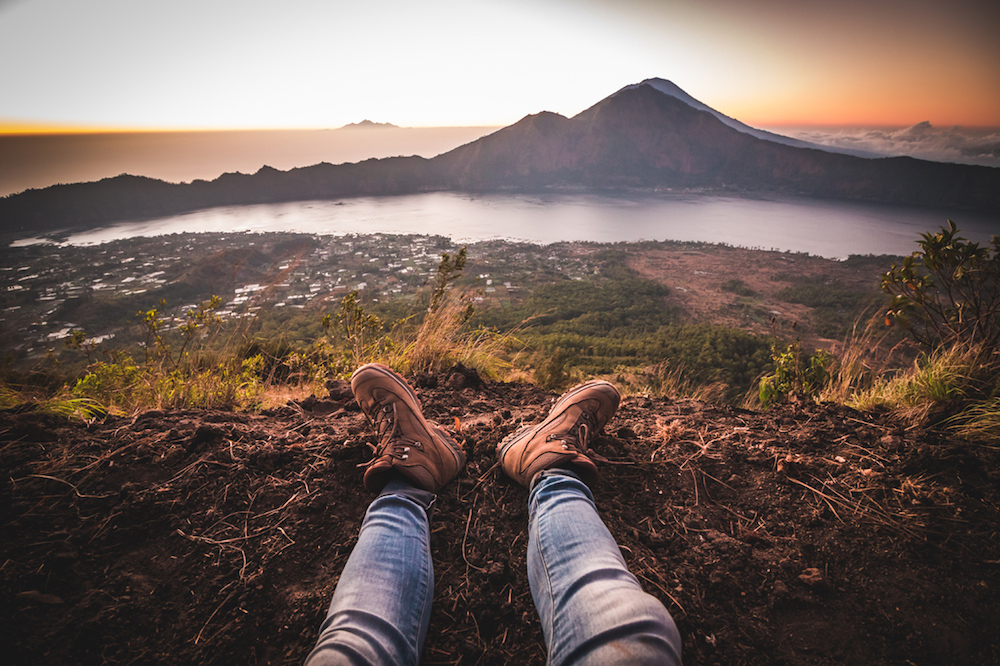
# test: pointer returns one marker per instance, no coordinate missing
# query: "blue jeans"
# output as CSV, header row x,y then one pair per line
x,y
592,610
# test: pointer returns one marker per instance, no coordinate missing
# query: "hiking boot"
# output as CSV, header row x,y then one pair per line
x,y
561,440
408,443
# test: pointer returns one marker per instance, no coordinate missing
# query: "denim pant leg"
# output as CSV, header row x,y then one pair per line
x,y
382,604
592,609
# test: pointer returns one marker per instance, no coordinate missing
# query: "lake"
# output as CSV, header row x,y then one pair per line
x,y
820,227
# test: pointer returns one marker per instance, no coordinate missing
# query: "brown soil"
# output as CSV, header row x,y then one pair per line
x,y
805,535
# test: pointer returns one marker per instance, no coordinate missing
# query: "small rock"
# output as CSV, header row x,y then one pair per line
x,y
789,466
206,432
340,390
780,589
320,407
625,433
812,577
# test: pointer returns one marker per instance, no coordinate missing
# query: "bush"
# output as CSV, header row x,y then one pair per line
x,y
794,373
947,292
739,288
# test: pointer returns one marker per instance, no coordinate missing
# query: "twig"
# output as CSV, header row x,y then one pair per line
x,y
880,514
217,609
53,478
660,588
481,479
866,423
465,538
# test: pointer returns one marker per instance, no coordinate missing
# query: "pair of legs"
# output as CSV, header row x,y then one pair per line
x,y
592,609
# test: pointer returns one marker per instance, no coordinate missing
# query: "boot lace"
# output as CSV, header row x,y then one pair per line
x,y
389,442
578,437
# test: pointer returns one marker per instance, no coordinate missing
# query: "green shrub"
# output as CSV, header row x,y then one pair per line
x,y
794,373
948,291
739,288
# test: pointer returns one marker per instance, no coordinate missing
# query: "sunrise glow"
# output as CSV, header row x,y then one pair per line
x,y
115,64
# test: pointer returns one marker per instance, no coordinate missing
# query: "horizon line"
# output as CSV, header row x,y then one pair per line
x,y
17,128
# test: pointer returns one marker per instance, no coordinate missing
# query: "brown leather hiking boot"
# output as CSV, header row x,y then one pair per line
x,y
408,443
561,440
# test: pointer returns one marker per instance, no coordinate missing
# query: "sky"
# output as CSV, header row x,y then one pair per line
x,y
240,64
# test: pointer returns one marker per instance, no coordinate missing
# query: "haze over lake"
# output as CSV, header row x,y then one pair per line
x,y
819,227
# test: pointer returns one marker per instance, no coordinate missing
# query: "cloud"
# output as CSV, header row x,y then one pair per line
x,y
924,141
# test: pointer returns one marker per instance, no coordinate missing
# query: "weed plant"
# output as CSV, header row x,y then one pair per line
x,y
611,324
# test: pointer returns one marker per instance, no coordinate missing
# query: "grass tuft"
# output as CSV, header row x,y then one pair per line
x,y
980,422
938,386
444,338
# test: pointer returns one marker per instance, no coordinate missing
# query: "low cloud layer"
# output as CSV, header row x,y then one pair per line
x,y
954,144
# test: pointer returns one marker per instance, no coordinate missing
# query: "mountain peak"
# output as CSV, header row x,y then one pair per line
x,y
673,90
368,124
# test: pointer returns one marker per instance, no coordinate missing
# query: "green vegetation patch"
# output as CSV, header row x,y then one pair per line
x,y
836,307
739,288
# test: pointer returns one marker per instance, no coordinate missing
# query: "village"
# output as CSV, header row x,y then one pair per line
x,y
49,291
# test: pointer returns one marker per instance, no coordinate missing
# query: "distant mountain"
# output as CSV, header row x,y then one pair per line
x,y
368,124
652,135
648,136
670,88
673,90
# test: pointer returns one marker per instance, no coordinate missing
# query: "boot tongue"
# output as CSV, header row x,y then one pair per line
x,y
386,423
583,437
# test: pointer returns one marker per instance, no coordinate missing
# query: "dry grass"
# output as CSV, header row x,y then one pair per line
x,y
444,339
980,422
669,380
954,385
956,372
862,359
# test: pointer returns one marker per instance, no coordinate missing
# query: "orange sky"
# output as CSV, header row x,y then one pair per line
x,y
118,64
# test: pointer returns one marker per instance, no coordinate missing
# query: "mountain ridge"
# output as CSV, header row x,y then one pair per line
x,y
649,136
670,88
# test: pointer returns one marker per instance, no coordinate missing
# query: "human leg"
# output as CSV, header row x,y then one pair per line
x,y
593,610
382,603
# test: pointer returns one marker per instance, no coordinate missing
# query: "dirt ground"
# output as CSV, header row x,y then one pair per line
x,y
805,535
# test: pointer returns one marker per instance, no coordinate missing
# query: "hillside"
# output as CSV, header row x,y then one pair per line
x,y
803,535
710,309
639,137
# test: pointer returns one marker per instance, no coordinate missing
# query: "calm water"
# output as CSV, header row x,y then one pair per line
x,y
825,228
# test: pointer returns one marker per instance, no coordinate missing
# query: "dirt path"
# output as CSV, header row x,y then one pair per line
x,y
806,535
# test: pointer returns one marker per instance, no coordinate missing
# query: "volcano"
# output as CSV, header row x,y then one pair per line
x,y
650,136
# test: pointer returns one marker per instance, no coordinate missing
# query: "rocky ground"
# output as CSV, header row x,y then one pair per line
x,y
804,535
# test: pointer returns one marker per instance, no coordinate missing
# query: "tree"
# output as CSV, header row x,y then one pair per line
x,y
947,292
448,271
